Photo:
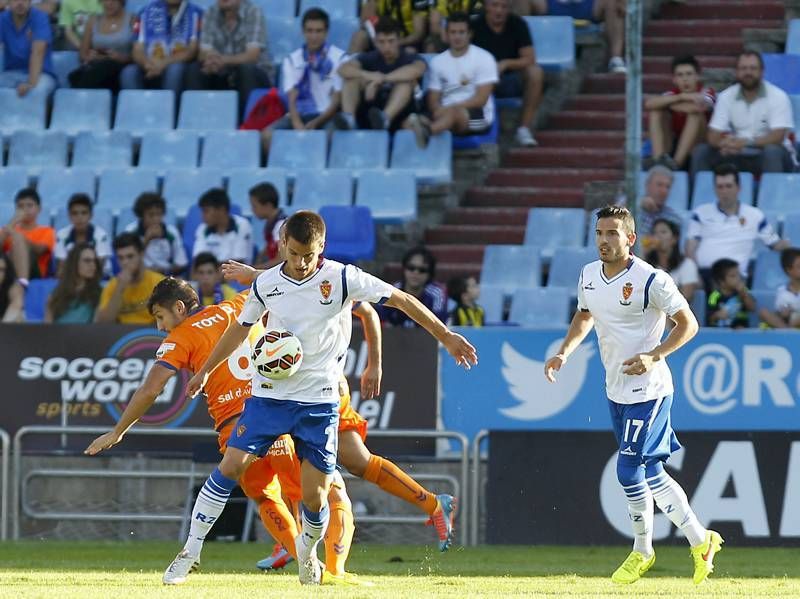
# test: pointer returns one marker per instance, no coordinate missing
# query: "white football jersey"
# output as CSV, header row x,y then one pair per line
x,y
317,310
629,313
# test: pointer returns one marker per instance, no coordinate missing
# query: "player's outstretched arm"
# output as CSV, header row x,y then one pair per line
x,y
373,373
685,328
580,326
462,351
232,338
142,399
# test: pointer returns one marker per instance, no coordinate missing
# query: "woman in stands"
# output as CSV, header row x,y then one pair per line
x,y
419,271
667,256
75,298
12,295
105,47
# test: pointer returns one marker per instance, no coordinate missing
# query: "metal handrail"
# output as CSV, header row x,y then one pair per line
x,y
475,485
5,445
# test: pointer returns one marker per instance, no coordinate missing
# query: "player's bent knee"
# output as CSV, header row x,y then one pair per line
x,y
629,473
652,469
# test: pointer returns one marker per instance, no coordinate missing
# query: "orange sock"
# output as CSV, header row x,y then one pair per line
x,y
338,537
280,523
394,481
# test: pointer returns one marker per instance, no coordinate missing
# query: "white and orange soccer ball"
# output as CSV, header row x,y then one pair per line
x,y
277,354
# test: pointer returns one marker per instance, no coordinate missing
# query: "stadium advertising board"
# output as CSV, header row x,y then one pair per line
x,y
724,380
83,376
744,485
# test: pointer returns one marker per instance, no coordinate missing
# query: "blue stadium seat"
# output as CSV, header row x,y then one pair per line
x,y
391,196
540,307
7,210
12,179
704,188
778,194
107,149
56,185
36,296
141,110
240,181
135,6
283,37
101,217
314,189
359,150
699,305
551,228
209,111
554,41
77,110
183,187
336,9
791,227
783,70
38,149
433,164
492,300
765,298
566,266
768,273
119,187
298,150
472,142
64,62
511,267
793,37
167,150
350,233
231,149
21,114
342,29
795,99
678,198
273,9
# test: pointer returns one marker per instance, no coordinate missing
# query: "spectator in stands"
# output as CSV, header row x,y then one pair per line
x,y
73,16
163,244
378,88
653,205
419,271
124,299
49,7
264,202
465,291
666,255
610,12
12,294
81,231
207,279
309,79
227,236
233,50
728,228
29,244
75,298
440,11
411,15
730,303
787,297
460,88
678,118
105,48
750,124
506,37
26,38
168,34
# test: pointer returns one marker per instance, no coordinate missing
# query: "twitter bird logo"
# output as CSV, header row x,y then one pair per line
x,y
537,398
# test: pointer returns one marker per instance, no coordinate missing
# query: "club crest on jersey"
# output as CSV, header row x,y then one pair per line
x,y
240,430
627,290
325,289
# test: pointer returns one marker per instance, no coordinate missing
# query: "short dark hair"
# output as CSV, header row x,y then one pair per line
x,y
685,59
788,256
456,287
28,193
80,199
722,267
724,169
316,14
387,26
205,258
265,193
171,290
147,200
305,227
216,197
618,212
751,53
427,256
128,239
460,17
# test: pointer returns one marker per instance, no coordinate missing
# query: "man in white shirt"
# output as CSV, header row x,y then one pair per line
x,y
227,236
460,87
749,125
627,301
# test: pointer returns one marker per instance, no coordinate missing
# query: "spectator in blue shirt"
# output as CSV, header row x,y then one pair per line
x,y
26,38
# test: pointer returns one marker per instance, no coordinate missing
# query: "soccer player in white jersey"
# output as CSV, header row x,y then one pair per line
x,y
627,301
308,295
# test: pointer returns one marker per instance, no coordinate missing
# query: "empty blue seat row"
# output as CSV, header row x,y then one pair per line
x,y
783,70
554,42
550,229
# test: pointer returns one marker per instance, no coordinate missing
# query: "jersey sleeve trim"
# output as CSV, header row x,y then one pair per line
x,y
344,284
647,290
166,365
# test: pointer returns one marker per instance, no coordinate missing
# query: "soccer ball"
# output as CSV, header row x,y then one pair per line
x,y
277,355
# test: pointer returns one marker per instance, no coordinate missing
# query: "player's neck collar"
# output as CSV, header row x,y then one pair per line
x,y
618,275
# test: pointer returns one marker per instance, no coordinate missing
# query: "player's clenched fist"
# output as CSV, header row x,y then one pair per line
x,y
105,441
552,366
236,271
462,350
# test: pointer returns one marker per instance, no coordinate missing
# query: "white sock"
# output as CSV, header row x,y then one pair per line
x,y
671,499
209,505
640,511
314,526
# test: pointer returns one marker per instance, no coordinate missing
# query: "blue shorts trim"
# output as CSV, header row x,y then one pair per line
x,y
644,431
313,426
581,9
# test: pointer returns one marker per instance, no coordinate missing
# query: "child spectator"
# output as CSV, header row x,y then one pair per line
x,y
787,298
12,295
264,201
73,17
30,245
464,291
666,255
163,245
227,236
207,279
75,298
81,231
730,303
419,271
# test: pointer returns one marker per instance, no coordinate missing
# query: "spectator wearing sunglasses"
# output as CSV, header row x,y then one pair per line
x,y
419,270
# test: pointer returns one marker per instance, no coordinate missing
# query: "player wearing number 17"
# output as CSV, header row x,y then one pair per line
x,y
310,297
627,301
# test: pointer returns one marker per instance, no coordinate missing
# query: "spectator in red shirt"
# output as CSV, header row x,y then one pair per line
x,y
678,118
